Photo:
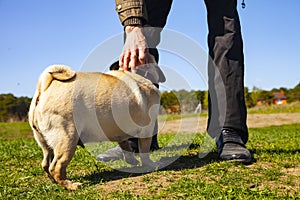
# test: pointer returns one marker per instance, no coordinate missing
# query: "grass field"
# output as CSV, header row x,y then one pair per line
x,y
274,175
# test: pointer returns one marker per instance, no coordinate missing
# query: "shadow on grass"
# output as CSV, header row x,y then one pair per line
x,y
183,162
189,161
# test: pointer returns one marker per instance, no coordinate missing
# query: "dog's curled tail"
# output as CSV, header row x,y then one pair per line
x,y
58,72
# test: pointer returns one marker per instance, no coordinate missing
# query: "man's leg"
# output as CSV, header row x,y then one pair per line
x,y
227,110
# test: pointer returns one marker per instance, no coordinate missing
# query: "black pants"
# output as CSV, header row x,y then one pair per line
x,y
226,65
227,107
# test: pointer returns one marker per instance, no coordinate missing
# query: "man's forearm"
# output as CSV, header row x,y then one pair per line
x,y
132,12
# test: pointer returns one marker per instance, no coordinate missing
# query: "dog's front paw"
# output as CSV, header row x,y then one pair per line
x,y
72,186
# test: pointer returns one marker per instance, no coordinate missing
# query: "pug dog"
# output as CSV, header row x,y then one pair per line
x,y
71,108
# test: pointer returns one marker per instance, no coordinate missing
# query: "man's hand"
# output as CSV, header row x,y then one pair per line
x,y
135,49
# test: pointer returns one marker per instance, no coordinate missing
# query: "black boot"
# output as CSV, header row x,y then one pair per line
x,y
232,148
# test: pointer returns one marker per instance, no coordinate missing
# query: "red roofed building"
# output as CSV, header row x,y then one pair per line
x,y
279,98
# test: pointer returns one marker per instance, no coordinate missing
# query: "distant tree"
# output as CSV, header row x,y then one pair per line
x,y
169,102
188,100
13,108
256,94
200,96
248,98
294,94
7,106
205,100
22,107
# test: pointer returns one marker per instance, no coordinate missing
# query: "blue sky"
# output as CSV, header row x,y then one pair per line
x,y
35,34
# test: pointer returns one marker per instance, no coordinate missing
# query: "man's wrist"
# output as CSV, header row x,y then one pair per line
x,y
130,28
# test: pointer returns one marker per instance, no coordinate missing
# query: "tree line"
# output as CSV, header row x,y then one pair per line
x,y
183,101
16,108
13,108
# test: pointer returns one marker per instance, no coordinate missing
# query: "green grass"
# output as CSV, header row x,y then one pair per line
x,y
170,117
15,130
274,175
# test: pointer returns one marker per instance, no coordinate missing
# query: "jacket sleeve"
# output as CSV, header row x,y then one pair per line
x,y
131,12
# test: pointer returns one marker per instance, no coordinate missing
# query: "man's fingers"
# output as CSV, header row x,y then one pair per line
x,y
133,60
126,60
121,61
134,50
142,56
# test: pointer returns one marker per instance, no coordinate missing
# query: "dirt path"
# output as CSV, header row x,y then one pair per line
x,y
198,124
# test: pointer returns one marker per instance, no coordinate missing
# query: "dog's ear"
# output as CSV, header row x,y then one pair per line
x,y
161,75
156,75
156,71
114,66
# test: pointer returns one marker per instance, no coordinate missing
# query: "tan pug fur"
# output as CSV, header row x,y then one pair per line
x,y
78,107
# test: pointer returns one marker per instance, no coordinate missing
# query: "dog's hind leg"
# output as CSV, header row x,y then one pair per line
x,y
64,150
47,152
48,157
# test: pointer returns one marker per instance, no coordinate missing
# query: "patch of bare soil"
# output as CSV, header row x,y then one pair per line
x,y
151,183
198,124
